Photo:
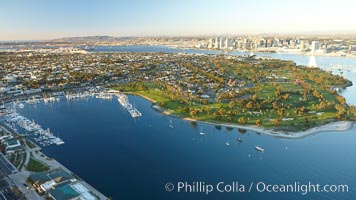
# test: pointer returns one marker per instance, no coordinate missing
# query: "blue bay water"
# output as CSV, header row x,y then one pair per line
x,y
129,158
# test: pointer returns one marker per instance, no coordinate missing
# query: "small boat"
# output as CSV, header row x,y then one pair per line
x,y
170,124
258,148
227,143
239,139
201,131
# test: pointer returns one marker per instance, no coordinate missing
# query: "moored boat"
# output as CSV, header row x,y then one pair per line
x,y
258,148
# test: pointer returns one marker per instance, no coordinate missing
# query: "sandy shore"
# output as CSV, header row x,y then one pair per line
x,y
331,127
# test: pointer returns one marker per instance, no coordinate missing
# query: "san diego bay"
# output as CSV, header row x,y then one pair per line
x,y
134,158
172,100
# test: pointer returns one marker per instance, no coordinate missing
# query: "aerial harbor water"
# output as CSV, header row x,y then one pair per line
x,y
128,157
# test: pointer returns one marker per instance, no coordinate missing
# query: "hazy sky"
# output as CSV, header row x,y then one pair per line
x,y
49,19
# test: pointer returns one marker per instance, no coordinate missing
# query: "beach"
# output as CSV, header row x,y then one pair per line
x,y
339,126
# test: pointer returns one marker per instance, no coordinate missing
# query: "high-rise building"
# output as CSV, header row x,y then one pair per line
x,y
216,42
211,43
227,42
352,47
240,44
301,44
315,45
221,42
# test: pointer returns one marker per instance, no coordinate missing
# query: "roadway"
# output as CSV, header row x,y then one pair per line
x,y
5,166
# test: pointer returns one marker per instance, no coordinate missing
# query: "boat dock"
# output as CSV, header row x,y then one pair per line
x,y
12,119
124,102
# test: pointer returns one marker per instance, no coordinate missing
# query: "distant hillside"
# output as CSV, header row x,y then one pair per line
x,y
90,39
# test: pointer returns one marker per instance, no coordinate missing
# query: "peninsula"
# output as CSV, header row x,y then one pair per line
x,y
274,94
242,90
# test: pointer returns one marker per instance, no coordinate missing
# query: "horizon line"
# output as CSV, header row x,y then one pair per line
x,y
184,36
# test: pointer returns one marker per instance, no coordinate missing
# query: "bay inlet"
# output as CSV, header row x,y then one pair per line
x,y
134,158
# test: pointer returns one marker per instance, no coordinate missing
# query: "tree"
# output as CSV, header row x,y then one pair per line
x,y
281,112
306,119
275,105
221,111
341,99
207,109
162,104
231,104
186,109
340,111
193,113
242,120
254,97
317,94
276,121
249,105
286,96
258,122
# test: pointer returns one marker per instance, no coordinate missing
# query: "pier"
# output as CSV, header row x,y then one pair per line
x,y
124,102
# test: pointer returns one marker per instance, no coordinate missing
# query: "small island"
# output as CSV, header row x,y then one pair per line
x,y
260,93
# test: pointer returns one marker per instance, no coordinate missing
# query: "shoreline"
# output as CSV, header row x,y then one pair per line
x,y
272,51
338,126
140,95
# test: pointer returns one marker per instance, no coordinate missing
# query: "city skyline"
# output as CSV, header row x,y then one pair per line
x,y
42,20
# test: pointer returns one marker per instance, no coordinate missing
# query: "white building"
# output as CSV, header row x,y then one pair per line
x,y
227,42
216,46
211,43
302,45
315,45
352,48
221,43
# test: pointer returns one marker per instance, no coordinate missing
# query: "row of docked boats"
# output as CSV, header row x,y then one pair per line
x,y
51,99
124,102
105,96
79,95
31,129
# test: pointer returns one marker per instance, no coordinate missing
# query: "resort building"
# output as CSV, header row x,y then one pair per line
x,y
60,185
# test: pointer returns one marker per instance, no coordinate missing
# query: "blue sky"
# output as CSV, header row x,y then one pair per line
x,y
48,19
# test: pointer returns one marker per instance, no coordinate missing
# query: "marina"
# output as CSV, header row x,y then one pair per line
x,y
124,102
44,136
30,128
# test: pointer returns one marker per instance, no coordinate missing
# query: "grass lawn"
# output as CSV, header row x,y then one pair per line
x,y
36,166
231,114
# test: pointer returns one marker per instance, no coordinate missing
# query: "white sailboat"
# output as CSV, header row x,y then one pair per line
x,y
258,148
201,131
170,124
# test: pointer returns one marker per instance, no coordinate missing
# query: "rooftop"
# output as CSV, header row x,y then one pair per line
x,y
63,193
